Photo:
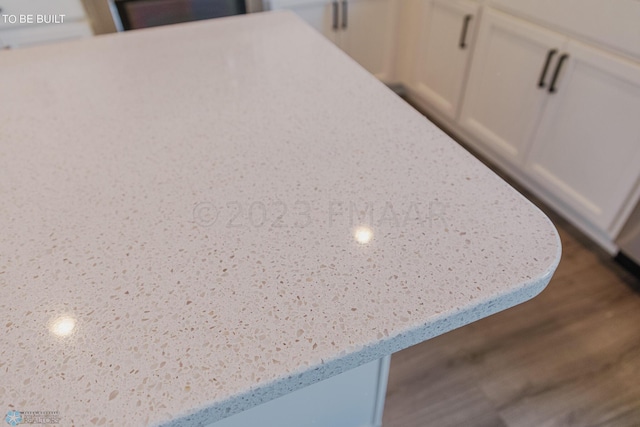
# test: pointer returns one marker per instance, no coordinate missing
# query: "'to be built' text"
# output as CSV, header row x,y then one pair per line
x,y
32,19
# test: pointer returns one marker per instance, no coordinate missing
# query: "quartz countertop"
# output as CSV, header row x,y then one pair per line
x,y
203,217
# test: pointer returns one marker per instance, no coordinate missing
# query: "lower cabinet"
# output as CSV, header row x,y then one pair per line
x,y
445,42
321,15
368,35
507,91
352,399
364,29
586,150
561,116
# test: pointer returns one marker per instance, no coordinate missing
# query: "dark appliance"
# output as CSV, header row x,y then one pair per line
x,y
133,14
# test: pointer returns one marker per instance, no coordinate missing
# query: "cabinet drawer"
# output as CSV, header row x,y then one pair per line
x,y
42,34
72,9
611,23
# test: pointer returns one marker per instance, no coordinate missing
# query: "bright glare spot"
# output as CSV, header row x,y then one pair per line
x,y
363,235
63,326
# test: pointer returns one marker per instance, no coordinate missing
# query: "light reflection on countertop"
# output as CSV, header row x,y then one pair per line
x,y
63,326
363,234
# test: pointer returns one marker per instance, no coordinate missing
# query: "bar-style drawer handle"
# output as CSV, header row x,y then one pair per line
x,y
345,13
547,63
563,57
334,6
465,27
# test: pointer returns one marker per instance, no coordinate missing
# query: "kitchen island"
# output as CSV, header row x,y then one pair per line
x,y
201,218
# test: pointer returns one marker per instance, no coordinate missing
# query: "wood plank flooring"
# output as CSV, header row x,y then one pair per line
x,y
569,357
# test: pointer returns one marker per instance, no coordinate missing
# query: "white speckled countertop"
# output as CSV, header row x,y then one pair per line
x,y
180,223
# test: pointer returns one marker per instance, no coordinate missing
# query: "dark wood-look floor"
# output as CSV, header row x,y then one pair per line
x,y
569,357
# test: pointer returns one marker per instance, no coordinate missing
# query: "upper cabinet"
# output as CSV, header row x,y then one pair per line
x,y
508,82
586,150
364,29
442,53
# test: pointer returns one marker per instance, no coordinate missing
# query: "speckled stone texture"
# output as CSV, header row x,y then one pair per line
x,y
199,218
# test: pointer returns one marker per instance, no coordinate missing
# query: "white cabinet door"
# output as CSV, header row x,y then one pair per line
x,y
364,29
503,101
321,15
443,50
368,34
352,399
587,148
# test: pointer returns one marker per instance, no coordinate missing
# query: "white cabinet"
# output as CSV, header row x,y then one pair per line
x,y
443,51
352,399
368,34
504,99
321,15
364,29
587,147
563,115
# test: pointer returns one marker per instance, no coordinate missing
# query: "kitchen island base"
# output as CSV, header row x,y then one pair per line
x,y
354,398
